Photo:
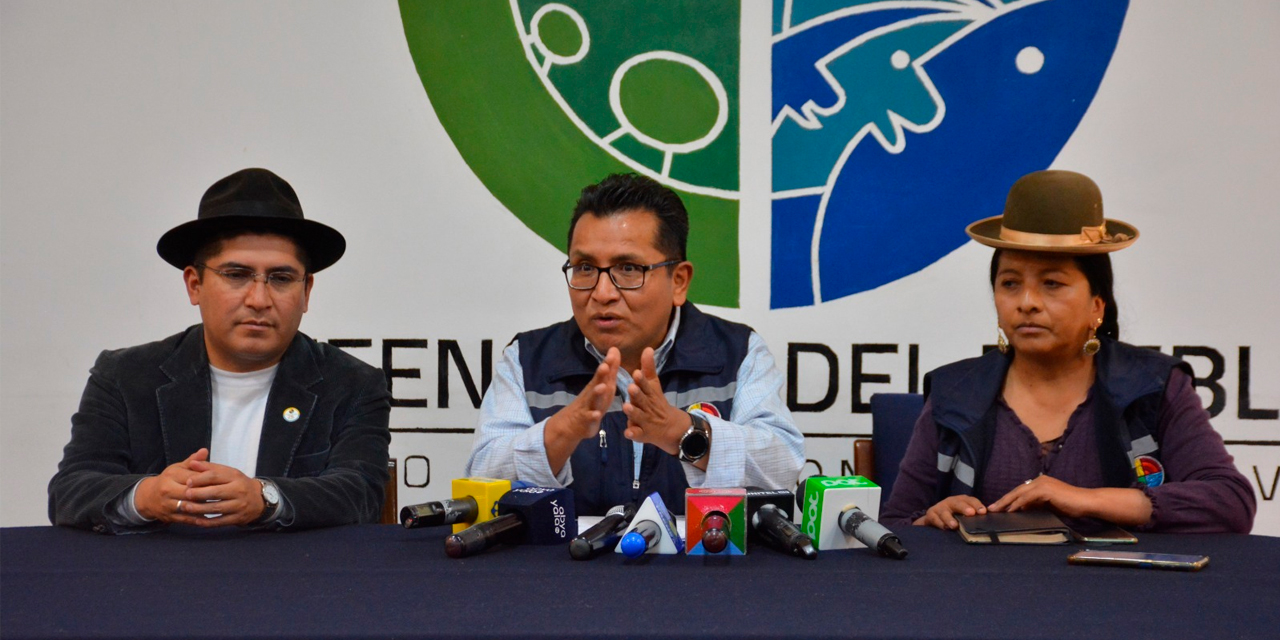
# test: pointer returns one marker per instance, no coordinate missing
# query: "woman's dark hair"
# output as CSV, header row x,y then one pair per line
x,y
1096,268
620,193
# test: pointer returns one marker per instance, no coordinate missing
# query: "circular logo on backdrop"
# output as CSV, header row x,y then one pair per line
x,y
893,123
1149,471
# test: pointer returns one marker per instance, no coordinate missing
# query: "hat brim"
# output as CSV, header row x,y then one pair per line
x,y
323,244
987,231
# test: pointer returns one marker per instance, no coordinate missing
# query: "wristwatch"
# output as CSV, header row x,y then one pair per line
x,y
270,498
696,442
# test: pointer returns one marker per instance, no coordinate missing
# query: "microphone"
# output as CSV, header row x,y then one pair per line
x,y
643,537
715,521
856,523
715,534
825,501
652,530
604,535
475,539
434,514
528,515
769,512
485,492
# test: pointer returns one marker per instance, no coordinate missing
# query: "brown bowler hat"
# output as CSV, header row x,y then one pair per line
x,y
1057,211
257,200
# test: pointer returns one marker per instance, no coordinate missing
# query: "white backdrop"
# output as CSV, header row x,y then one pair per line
x,y
115,116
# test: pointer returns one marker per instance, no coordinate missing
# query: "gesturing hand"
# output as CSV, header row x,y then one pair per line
x,y
580,419
650,418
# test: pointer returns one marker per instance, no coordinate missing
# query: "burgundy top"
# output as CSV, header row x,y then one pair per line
x,y
1202,492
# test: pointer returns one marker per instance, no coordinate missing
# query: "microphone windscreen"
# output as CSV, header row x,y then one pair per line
x,y
547,513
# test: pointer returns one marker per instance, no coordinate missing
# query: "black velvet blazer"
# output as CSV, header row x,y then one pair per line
x,y
149,406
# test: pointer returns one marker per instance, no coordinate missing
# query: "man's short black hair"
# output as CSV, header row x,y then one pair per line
x,y
213,245
623,192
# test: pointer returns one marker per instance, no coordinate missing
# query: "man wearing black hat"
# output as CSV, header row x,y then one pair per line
x,y
241,419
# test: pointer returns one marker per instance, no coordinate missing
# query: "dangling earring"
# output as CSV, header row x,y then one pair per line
x,y
1001,343
1092,345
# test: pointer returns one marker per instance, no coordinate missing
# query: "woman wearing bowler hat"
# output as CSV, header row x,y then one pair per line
x,y
1063,416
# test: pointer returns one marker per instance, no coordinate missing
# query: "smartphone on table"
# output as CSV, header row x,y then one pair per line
x,y
1139,559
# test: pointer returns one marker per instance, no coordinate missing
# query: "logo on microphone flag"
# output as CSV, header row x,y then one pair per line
x,y
655,510
701,502
485,491
825,498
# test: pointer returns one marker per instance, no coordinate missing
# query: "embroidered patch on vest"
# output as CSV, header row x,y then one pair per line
x,y
1149,471
705,407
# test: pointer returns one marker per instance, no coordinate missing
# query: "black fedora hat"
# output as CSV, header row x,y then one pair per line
x,y
253,200
1055,211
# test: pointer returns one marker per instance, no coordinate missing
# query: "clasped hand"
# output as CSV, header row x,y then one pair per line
x,y
186,491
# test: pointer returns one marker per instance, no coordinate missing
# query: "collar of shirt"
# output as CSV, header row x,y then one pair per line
x,y
659,355
248,379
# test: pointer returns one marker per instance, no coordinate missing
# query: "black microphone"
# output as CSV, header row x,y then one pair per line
x,y
777,531
855,522
477,538
769,514
529,515
434,514
604,535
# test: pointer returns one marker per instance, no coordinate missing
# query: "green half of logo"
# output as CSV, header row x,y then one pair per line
x,y
542,99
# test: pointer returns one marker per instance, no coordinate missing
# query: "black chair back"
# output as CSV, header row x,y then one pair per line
x,y
893,417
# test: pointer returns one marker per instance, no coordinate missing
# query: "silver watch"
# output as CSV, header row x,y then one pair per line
x,y
270,497
695,444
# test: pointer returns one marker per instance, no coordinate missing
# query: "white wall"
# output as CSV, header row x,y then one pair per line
x,y
115,116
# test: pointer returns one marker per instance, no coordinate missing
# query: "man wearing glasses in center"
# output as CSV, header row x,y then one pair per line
x,y
640,391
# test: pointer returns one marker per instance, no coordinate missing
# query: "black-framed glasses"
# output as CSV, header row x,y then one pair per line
x,y
239,277
624,275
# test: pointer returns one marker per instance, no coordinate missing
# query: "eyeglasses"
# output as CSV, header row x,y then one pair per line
x,y
239,277
624,276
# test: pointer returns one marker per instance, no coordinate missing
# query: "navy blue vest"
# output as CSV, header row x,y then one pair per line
x,y
1128,393
702,367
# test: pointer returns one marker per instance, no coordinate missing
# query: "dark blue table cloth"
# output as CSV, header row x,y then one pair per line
x,y
382,581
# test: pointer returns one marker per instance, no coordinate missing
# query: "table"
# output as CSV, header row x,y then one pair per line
x,y
381,581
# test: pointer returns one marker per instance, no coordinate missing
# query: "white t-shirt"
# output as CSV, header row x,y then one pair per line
x,y
239,406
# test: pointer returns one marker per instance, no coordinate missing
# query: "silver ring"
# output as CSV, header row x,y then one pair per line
x,y
1028,481
180,503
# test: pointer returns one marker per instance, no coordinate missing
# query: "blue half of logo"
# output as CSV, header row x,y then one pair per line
x,y
897,123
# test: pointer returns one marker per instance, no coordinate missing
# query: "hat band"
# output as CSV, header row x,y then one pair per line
x,y
1087,236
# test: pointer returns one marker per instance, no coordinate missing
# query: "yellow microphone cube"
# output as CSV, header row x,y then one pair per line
x,y
486,492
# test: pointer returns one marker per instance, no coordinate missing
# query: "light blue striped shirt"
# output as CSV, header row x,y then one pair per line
x,y
758,445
